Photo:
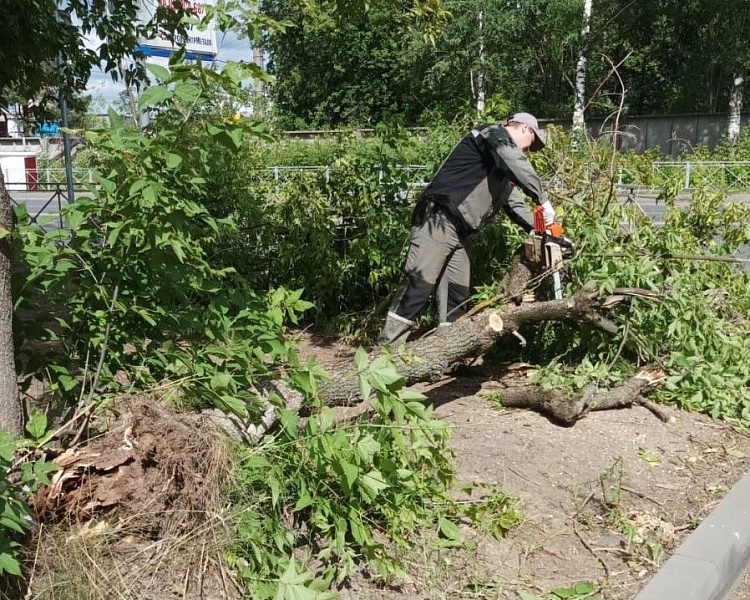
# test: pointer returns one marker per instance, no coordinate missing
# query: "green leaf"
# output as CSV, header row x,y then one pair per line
x,y
303,501
360,359
13,524
173,160
648,456
583,587
160,72
153,96
292,585
237,136
373,483
367,448
232,404
37,425
351,472
115,120
289,421
448,529
7,446
9,564
275,486
221,381
187,92
363,383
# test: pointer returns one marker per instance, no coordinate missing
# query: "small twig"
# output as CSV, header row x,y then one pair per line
x,y
521,339
517,474
630,490
590,549
36,560
585,502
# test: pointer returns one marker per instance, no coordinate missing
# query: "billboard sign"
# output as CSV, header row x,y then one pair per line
x,y
198,43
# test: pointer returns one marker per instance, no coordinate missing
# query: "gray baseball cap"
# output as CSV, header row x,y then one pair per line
x,y
530,120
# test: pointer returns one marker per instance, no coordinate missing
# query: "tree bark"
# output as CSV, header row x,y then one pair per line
x,y
583,53
516,390
735,105
481,75
11,413
430,358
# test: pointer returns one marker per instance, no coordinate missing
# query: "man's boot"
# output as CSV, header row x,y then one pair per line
x,y
395,330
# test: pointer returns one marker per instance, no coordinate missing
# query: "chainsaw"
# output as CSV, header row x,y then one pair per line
x,y
547,246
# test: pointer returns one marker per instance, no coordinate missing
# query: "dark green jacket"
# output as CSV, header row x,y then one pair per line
x,y
481,176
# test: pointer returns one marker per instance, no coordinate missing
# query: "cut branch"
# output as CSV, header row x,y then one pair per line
x,y
516,390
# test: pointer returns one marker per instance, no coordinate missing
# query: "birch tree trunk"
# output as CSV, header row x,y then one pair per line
x,y
481,78
11,415
583,52
735,105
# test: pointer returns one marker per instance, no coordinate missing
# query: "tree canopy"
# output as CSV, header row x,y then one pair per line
x,y
673,57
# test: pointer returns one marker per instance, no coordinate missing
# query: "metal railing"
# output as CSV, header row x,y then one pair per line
x,y
730,175
44,205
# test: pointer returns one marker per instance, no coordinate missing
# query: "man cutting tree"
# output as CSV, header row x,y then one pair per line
x,y
480,176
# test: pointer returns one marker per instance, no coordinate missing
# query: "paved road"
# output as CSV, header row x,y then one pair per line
x,y
646,199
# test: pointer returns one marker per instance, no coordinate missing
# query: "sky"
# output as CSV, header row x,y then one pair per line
x,y
104,91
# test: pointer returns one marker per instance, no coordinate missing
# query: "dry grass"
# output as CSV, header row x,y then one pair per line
x,y
97,560
137,513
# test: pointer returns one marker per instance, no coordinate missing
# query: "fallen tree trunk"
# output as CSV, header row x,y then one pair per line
x,y
431,357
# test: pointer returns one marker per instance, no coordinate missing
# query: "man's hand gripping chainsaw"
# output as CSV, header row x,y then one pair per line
x,y
547,246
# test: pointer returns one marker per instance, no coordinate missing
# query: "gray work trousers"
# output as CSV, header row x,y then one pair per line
x,y
437,258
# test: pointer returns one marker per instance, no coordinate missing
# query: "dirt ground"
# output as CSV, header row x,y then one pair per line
x,y
605,502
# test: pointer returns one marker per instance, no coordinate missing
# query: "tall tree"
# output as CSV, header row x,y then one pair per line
x,y
735,105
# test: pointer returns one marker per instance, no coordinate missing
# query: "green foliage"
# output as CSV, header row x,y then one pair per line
x,y
337,229
332,72
696,331
581,590
355,493
221,366
131,286
15,514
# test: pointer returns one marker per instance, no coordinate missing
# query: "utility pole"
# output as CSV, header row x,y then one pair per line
x,y
65,136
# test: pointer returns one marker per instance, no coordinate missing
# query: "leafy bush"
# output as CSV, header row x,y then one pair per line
x,y
336,496
15,514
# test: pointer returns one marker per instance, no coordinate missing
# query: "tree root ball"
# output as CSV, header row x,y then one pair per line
x,y
158,470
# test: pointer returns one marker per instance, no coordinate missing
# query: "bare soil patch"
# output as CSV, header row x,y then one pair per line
x,y
606,501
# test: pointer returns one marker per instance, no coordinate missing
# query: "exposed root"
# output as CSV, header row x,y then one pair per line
x,y
160,470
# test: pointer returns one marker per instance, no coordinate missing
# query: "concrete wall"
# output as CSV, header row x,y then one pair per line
x,y
671,133
14,169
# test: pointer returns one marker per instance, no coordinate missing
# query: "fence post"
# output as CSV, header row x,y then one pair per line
x,y
687,175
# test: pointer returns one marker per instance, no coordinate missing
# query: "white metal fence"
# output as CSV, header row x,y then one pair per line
x,y
730,175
